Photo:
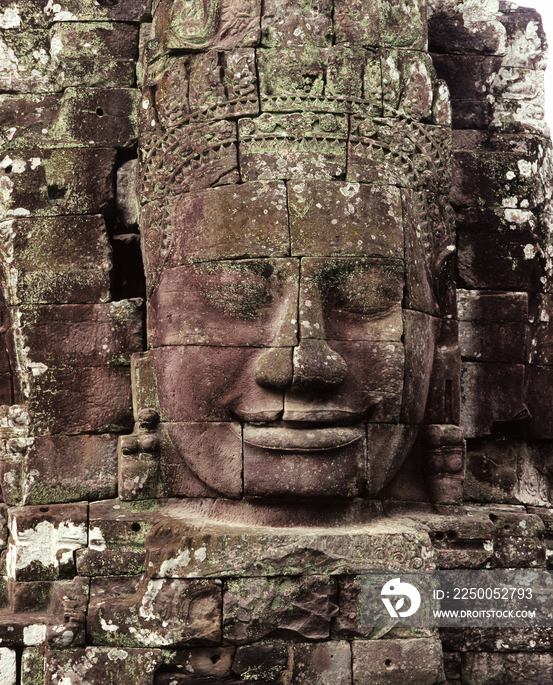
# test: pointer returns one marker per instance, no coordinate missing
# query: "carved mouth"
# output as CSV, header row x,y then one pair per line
x,y
286,439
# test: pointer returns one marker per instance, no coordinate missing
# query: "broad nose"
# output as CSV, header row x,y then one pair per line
x,y
311,365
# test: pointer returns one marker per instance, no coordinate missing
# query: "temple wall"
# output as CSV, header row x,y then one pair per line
x,y
100,585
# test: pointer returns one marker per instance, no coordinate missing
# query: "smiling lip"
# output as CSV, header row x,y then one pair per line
x,y
301,439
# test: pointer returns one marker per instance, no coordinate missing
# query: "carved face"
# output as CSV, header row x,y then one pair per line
x,y
282,342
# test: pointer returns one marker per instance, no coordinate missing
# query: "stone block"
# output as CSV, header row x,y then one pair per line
x,y
91,664
51,613
494,342
386,662
266,662
381,22
226,303
381,390
187,547
494,468
496,669
526,41
42,13
316,664
519,552
82,335
465,29
116,537
200,460
351,299
206,156
406,82
491,393
541,346
367,220
492,306
95,54
538,384
293,23
298,608
220,384
517,260
86,399
290,472
198,662
64,468
231,222
495,639
293,146
189,609
65,259
495,179
206,86
195,26
44,539
469,78
27,64
56,182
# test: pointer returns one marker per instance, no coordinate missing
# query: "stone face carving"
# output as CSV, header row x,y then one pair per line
x,y
343,213
296,236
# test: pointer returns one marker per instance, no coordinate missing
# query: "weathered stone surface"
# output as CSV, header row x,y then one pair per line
x,y
200,460
42,13
238,303
315,664
273,146
86,399
228,222
495,178
292,23
182,26
490,393
44,539
64,468
116,536
494,342
56,182
496,669
538,382
385,662
191,548
65,259
483,305
189,609
366,220
266,662
297,473
228,387
493,468
92,664
82,335
100,55
351,299
258,608
8,667
380,23
207,86
496,639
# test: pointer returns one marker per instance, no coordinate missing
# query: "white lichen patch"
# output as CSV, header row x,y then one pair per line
x,y
108,626
10,19
146,609
43,544
58,13
8,666
169,566
34,635
96,539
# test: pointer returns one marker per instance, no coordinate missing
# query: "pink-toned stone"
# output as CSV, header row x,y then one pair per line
x,y
335,219
299,608
238,303
190,610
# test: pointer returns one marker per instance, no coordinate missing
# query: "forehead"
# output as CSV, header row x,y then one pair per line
x,y
281,219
